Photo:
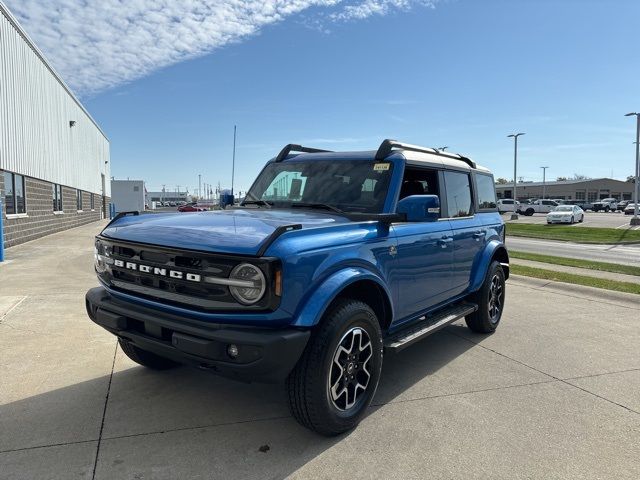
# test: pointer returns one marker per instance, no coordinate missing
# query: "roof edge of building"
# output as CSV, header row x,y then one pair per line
x,y
16,24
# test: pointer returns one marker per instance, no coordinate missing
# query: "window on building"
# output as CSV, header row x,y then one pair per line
x,y
486,192
14,193
580,195
458,194
79,199
57,197
93,202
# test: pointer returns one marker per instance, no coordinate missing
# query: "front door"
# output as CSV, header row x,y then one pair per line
x,y
425,251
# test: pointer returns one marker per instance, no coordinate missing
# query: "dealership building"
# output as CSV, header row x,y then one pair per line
x,y
54,158
588,190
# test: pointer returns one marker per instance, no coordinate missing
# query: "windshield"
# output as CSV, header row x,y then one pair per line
x,y
564,208
348,185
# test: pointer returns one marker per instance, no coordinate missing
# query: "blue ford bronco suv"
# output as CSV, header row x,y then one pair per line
x,y
332,261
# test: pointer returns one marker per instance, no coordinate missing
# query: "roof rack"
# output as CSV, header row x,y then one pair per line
x,y
292,147
387,146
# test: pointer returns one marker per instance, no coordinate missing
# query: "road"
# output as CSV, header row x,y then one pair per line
x,y
591,219
623,254
554,393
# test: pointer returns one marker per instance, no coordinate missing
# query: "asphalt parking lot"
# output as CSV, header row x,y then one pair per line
x,y
591,219
554,393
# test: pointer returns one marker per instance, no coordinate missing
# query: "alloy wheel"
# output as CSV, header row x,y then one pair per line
x,y
496,298
349,374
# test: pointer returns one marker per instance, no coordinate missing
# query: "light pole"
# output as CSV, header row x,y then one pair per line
x,y
515,167
544,182
636,191
199,187
442,149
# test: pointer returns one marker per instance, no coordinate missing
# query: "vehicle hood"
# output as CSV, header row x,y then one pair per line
x,y
226,231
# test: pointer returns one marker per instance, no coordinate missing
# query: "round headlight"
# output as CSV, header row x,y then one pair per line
x,y
250,283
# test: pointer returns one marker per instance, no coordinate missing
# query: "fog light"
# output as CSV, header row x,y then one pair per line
x,y
232,350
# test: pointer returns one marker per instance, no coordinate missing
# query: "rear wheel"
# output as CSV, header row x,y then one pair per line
x,y
490,300
145,358
336,378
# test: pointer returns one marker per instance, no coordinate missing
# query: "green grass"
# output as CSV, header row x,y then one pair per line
x,y
574,262
575,279
573,234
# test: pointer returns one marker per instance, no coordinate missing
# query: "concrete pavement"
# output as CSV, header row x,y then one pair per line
x,y
552,394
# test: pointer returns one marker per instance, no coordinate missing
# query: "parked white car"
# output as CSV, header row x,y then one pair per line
x,y
629,209
538,206
506,205
566,214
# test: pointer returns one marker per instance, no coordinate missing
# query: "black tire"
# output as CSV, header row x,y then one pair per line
x,y
581,219
490,303
573,220
144,358
309,384
529,212
606,209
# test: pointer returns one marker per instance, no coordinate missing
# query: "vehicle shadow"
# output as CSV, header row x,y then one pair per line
x,y
190,422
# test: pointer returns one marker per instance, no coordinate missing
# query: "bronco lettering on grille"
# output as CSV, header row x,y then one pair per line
x,y
162,272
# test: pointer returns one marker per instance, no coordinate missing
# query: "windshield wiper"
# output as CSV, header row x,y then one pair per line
x,y
262,203
324,206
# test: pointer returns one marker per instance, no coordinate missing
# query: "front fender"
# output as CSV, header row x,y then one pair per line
x,y
493,248
319,299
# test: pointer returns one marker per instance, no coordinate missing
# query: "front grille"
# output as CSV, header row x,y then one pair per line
x,y
161,287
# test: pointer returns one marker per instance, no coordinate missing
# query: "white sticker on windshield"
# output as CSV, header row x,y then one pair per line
x,y
381,167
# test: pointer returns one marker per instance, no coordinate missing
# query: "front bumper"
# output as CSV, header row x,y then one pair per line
x,y
559,220
264,355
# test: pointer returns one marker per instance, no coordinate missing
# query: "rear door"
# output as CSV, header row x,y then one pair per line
x,y
466,227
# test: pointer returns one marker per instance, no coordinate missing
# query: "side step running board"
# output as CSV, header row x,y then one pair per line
x,y
429,325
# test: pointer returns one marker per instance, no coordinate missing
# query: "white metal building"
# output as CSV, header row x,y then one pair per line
x,y
54,158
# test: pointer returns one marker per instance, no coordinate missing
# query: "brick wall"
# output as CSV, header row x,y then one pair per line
x,y
40,219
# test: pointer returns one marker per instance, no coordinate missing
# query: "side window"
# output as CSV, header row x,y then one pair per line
x,y
486,192
57,198
419,181
458,194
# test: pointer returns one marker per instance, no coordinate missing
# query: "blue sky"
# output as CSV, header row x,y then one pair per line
x,y
461,73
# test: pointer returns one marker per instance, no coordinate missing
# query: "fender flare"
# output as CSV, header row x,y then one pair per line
x,y
320,297
484,261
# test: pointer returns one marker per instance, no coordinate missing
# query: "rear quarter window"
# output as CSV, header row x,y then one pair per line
x,y
486,192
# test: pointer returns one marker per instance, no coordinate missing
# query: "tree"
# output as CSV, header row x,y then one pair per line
x,y
502,181
631,179
578,176
561,179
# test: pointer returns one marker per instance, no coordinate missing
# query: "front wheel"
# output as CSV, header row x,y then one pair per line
x,y
336,378
490,300
573,220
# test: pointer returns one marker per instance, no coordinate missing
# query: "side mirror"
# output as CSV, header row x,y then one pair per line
x,y
420,208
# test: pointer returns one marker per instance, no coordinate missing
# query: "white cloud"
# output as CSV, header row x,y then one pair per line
x,y
98,45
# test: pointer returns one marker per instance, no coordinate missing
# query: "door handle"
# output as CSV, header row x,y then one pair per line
x,y
478,235
444,241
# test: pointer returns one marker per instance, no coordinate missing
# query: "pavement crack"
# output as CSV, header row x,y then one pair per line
x,y
601,374
35,447
12,308
104,412
480,390
547,374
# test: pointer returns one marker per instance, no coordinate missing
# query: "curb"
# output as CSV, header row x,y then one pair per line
x,y
629,300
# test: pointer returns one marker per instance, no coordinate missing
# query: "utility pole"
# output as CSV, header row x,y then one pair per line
x,y
199,186
515,178
544,182
636,191
163,185
233,161
442,149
